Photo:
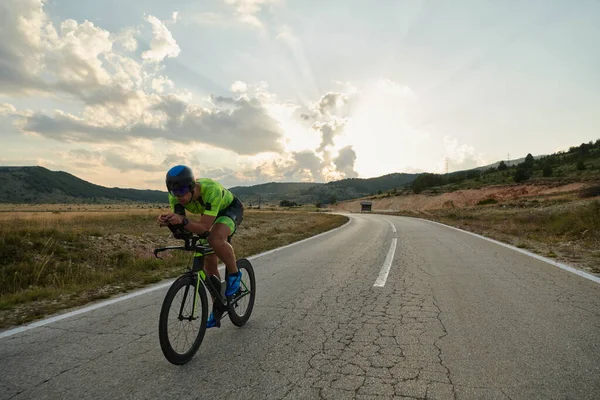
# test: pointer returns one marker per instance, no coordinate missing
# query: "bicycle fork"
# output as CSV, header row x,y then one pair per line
x,y
197,276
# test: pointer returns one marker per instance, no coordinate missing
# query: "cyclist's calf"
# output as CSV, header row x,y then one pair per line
x,y
210,265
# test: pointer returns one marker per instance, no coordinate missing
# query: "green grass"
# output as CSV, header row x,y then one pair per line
x,y
50,264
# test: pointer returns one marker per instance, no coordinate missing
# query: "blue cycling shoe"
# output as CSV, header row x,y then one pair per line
x,y
211,322
233,283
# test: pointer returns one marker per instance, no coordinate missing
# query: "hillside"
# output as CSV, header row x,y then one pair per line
x,y
40,185
576,164
311,193
271,192
575,172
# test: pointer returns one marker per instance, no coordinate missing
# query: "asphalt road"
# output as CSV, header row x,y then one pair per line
x,y
457,317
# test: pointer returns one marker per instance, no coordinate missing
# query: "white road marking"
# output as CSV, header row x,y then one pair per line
x,y
387,264
536,256
47,321
393,226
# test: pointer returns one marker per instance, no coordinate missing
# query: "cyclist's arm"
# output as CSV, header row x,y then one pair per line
x,y
201,226
208,217
212,204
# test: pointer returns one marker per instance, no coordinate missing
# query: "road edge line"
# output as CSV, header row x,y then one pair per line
x,y
536,256
56,318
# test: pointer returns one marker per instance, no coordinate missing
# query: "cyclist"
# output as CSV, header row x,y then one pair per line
x,y
221,213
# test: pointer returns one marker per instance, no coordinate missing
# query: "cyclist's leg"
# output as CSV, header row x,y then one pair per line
x,y
210,265
223,228
218,241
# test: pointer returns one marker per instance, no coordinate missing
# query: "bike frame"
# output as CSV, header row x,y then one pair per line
x,y
197,271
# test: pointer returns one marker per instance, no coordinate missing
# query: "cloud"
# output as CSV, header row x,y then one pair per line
x,y
126,38
344,162
334,104
246,10
123,163
245,127
122,99
123,158
7,109
159,84
20,20
306,166
209,18
73,58
239,87
162,44
328,131
461,157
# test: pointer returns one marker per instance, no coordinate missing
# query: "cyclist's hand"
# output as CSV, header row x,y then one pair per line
x,y
163,219
175,219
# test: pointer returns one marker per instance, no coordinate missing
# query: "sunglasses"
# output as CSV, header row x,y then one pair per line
x,y
178,192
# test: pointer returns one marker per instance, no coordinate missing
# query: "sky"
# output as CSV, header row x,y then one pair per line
x,y
255,91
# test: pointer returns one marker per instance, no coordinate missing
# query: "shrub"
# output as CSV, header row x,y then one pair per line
x,y
591,191
287,203
487,201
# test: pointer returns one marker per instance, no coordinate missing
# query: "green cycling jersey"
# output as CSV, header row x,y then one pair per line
x,y
213,198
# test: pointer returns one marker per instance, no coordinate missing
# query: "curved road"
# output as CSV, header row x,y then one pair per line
x,y
457,317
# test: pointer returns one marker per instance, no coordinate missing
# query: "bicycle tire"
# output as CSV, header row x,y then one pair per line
x,y
235,318
188,282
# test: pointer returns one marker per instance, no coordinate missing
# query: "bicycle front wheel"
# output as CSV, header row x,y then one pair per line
x,y
240,305
182,323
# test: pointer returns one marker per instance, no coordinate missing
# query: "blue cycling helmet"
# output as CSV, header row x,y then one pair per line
x,y
180,180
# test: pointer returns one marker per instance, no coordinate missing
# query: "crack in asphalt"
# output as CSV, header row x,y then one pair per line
x,y
338,337
85,362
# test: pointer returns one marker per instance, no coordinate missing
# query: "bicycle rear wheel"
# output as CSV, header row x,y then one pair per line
x,y
240,305
181,333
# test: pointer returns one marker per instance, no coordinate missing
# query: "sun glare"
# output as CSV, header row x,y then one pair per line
x,y
380,132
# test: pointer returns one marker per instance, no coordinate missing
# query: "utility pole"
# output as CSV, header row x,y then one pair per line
x,y
446,164
507,159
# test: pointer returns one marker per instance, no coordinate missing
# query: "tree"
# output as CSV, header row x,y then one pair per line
x,y
333,199
502,166
522,174
547,171
529,161
580,164
287,203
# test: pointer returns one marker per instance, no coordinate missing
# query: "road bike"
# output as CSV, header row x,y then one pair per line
x,y
184,312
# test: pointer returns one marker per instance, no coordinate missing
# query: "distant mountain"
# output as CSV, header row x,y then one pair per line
x,y
40,185
272,189
310,193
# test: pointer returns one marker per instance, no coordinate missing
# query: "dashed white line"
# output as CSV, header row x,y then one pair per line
x,y
387,264
393,226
